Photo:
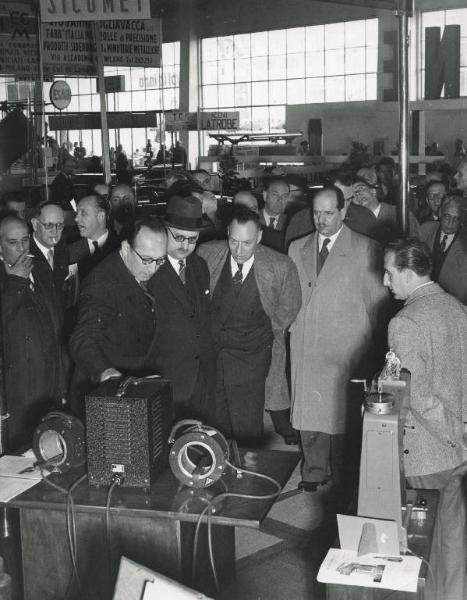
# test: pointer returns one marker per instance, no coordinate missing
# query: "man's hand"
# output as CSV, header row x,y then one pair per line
x,y
21,268
109,374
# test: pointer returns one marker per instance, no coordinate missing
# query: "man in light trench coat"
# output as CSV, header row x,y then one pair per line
x,y
335,336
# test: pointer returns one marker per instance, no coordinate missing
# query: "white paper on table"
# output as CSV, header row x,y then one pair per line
x,y
163,587
16,466
10,487
401,576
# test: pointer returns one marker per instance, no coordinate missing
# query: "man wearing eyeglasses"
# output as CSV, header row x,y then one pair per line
x,y
184,348
447,240
117,318
48,247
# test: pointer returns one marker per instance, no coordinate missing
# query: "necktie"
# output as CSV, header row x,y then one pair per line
x,y
272,222
323,254
50,258
96,248
182,271
443,243
32,287
237,279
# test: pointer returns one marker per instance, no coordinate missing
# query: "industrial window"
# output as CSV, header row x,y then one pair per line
x,y
441,18
258,74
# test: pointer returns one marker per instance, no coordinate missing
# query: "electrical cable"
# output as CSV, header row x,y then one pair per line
x,y
116,480
430,570
210,509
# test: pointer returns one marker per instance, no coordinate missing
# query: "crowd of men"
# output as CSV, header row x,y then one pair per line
x,y
207,296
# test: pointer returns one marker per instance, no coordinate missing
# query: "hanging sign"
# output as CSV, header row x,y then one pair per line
x,y
60,94
219,120
53,11
180,121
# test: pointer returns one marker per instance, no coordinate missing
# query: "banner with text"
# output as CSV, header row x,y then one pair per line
x,y
53,11
18,41
219,120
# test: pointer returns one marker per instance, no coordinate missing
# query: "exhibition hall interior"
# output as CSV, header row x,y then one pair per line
x,y
233,299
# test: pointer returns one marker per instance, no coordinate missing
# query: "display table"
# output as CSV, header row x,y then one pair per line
x,y
154,528
420,537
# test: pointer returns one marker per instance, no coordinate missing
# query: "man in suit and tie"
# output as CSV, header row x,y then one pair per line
x,y
48,247
117,319
334,337
96,240
447,240
34,358
429,335
184,350
255,296
276,197
386,228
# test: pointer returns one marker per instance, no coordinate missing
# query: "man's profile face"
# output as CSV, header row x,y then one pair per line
x,y
181,243
362,195
451,218
14,241
394,279
276,198
148,247
90,218
435,196
461,176
243,239
48,226
327,217
19,208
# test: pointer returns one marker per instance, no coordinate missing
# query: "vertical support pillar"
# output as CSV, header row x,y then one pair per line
x,y
189,79
403,207
96,30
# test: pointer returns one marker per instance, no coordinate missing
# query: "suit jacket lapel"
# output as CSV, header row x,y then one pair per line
x,y
174,285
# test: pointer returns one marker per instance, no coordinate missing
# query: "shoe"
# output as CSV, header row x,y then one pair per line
x,y
310,486
291,439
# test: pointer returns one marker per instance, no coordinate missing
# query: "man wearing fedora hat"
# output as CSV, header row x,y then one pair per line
x,y
183,345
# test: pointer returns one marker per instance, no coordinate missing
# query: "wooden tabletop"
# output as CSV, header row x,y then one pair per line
x,y
168,498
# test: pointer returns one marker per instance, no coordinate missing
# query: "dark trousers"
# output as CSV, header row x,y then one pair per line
x,y
323,456
240,399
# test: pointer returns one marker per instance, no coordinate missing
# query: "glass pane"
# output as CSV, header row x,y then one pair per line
x,y
177,52
96,101
225,47
315,90
277,42
243,69
371,87
168,57
355,60
125,140
137,77
226,72
74,105
354,33
464,52
372,32
210,96
334,62
295,65
242,94
245,118
277,118
209,49
277,67
139,101
85,104
259,43
259,68
371,59
97,142
295,40
170,99
226,95
124,101
463,82
172,76
73,83
456,17
152,78
334,35
314,38
209,72
242,45
277,92
260,118
334,90
139,140
153,99
355,87
86,138
259,93
296,91
84,85
314,64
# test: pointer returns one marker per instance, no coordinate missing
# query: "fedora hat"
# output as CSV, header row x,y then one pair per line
x,y
185,213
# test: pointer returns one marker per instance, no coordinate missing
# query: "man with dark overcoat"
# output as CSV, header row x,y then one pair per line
x,y
183,349
35,361
255,297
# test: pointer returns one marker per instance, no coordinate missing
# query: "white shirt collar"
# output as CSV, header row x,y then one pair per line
x,y
175,263
333,238
245,268
377,210
100,241
45,251
268,217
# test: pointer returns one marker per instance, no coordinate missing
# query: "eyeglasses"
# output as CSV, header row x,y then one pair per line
x,y
149,261
51,226
182,238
